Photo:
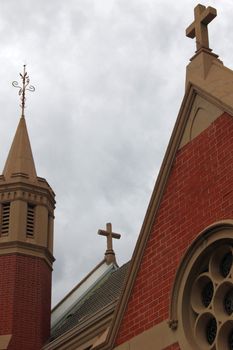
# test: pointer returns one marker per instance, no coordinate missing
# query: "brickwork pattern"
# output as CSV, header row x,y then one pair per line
x,y
25,301
199,192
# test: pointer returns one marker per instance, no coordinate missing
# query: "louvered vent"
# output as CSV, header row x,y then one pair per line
x,y
30,220
5,218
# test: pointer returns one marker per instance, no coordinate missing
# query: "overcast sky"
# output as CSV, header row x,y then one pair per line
x,y
109,78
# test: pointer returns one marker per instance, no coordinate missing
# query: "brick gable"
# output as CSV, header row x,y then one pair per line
x,y
199,192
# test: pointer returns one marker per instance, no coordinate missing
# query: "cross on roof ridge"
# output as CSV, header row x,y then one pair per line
x,y
109,254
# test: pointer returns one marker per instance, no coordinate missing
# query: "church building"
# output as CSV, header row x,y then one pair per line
x,y
176,293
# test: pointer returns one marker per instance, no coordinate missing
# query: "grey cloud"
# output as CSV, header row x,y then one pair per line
x,y
109,77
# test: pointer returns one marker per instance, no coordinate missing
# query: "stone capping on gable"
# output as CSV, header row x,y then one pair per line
x,y
92,327
85,330
75,289
78,285
173,146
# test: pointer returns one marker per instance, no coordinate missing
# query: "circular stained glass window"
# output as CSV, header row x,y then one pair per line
x,y
210,297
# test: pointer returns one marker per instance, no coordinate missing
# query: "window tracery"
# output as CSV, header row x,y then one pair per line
x,y
201,309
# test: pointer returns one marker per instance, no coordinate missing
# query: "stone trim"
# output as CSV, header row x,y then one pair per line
x,y
4,341
25,248
155,200
21,190
192,276
86,331
158,337
78,285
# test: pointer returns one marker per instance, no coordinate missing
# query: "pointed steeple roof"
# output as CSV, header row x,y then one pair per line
x,y
20,159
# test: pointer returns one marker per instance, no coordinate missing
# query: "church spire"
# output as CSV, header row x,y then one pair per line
x,y
27,204
20,159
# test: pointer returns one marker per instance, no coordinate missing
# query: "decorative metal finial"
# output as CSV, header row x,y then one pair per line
x,y
22,89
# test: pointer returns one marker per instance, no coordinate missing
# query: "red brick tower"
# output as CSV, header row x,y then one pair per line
x,y
26,244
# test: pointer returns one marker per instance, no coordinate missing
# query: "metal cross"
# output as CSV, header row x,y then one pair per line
x,y
25,86
202,17
110,235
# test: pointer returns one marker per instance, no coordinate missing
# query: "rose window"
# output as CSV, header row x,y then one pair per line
x,y
210,298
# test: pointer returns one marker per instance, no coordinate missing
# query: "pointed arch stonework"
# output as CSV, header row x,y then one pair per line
x,y
202,114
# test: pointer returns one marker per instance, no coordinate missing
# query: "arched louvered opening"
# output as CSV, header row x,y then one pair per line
x,y
5,218
30,220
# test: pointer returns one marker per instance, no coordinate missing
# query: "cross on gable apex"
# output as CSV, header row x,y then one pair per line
x,y
202,17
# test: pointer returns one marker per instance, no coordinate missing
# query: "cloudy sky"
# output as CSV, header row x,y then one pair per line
x,y
109,78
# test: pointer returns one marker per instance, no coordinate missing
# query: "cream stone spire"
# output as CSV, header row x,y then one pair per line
x,y
27,202
20,159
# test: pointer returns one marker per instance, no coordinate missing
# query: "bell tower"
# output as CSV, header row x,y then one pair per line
x,y
26,245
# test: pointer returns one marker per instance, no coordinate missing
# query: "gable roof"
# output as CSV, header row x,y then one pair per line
x,y
103,295
88,283
216,86
209,79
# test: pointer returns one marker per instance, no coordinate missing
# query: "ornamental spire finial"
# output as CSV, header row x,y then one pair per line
x,y
22,89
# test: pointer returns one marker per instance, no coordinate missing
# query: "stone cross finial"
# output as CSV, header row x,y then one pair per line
x,y
202,17
109,254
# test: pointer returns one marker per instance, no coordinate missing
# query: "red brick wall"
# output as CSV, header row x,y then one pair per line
x,y
25,301
199,192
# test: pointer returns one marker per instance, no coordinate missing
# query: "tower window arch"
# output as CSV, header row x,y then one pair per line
x,y
5,220
30,220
